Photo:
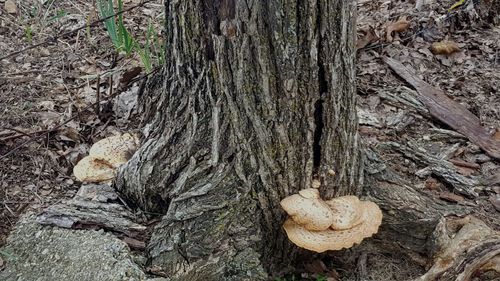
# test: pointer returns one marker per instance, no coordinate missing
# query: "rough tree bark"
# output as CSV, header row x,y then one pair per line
x,y
256,100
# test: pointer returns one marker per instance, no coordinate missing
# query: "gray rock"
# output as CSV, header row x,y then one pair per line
x,y
37,253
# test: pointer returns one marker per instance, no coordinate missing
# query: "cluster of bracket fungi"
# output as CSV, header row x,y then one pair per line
x,y
319,225
104,158
314,224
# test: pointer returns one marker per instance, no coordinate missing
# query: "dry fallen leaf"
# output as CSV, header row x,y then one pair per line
x,y
368,37
130,74
10,7
496,135
399,26
444,48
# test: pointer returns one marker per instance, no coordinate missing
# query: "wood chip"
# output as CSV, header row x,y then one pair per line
x,y
464,167
451,197
462,163
10,7
444,48
134,243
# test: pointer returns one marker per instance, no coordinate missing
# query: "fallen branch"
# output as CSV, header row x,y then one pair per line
x,y
448,111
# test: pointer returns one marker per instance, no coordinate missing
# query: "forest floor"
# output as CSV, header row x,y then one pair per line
x,y
470,76
51,84
47,86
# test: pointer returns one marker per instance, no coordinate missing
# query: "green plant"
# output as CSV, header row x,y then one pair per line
x,y
59,14
120,36
153,52
28,33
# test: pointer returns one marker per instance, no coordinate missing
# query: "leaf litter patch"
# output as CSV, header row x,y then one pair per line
x,y
46,86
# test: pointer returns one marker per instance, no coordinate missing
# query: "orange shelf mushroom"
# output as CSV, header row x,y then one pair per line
x,y
346,222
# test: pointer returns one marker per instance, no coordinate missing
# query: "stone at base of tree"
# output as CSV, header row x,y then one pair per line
x,y
36,252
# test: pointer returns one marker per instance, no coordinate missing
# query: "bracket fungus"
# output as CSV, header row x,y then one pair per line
x,y
105,156
335,224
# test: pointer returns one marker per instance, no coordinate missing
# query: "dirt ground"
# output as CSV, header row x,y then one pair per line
x,y
45,86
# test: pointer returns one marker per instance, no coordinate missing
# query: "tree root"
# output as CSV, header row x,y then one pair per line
x,y
464,248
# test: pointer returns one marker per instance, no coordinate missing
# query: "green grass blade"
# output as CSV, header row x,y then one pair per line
x,y
106,10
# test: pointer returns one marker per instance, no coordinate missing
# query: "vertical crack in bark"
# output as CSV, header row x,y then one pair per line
x,y
318,121
318,105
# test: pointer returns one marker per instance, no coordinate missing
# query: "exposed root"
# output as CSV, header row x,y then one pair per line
x,y
465,248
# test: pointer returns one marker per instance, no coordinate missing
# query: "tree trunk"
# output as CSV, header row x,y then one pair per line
x,y
256,100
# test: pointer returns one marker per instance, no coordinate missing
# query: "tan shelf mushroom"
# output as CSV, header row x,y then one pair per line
x,y
307,209
351,220
91,169
347,212
116,150
105,156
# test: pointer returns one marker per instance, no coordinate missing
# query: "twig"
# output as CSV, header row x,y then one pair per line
x,y
17,131
98,96
19,134
110,85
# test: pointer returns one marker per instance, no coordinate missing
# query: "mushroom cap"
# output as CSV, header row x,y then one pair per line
x,y
115,150
307,209
92,169
321,241
347,212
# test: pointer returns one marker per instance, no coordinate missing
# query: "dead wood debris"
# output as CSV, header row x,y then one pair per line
x,y
453,261
441,168
93,208
448,111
